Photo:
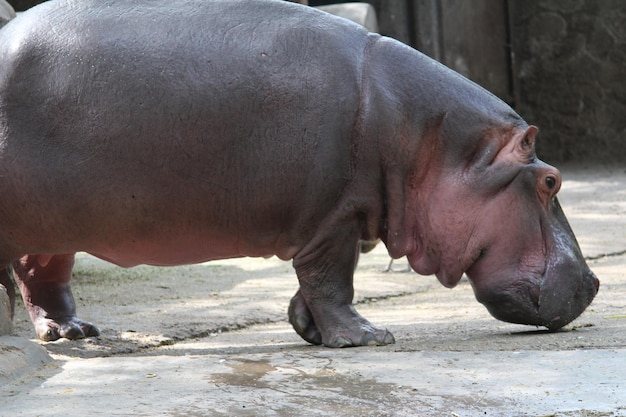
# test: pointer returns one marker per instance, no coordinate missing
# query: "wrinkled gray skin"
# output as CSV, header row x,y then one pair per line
x,y
166,133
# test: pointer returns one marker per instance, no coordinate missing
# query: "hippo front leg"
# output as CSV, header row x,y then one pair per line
x,y
321,312
44,283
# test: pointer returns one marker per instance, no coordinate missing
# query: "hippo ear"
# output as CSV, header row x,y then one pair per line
x,y
527,142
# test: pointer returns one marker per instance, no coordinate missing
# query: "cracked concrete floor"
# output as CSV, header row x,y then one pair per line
x,y
213,339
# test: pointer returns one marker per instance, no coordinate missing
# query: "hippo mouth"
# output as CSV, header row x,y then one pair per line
x,y
542,303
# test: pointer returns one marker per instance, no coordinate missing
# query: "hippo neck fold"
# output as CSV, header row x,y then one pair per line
x,y
429,124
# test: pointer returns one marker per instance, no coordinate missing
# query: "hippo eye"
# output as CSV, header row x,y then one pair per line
x,y
550,182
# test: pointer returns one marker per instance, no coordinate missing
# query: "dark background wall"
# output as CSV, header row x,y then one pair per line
x,y
570,75
560,63
21,5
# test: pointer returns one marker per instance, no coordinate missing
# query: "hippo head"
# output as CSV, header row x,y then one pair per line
x,y
499,221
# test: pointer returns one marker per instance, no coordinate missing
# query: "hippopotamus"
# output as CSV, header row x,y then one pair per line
x,y
176,132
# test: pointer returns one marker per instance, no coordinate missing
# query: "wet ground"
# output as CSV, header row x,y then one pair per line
x,y
213,340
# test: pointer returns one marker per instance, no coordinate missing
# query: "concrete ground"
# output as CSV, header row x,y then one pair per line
x,y
213,340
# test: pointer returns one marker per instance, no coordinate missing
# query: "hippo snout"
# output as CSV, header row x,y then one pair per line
x,y
558,308
541,303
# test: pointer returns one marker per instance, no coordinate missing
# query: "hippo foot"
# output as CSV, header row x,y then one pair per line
x,y
301,319
50,330
347,330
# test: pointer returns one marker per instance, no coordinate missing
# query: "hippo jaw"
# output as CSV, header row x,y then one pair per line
x,y
551,298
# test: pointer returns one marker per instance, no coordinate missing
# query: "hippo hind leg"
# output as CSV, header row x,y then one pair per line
x,y
321,312
44,284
